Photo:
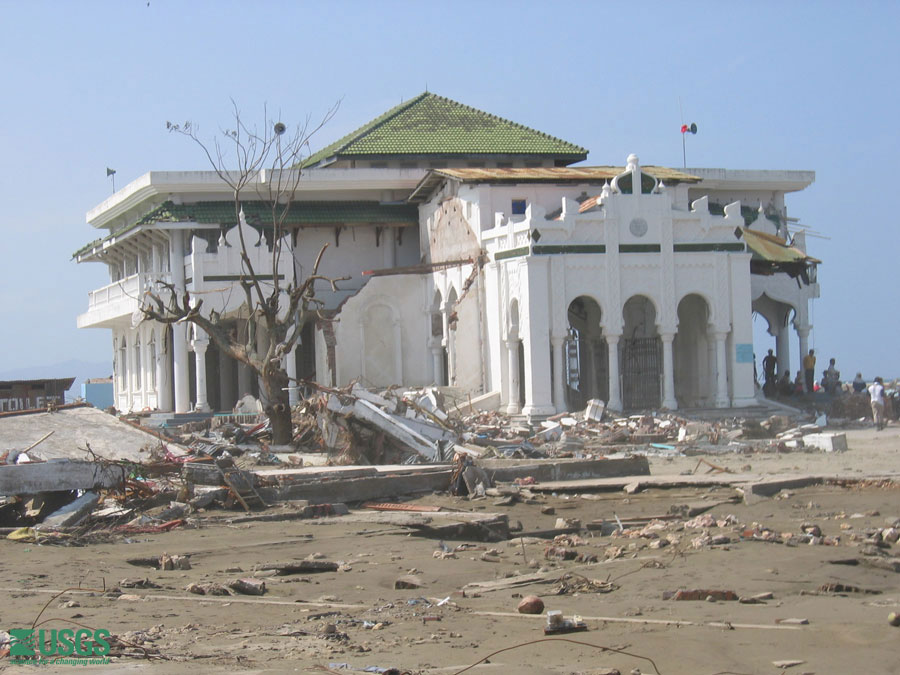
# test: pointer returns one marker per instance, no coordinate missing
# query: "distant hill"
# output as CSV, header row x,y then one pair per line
x,y
80,370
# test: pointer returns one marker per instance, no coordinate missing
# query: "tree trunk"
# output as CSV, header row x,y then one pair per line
x,y
279,409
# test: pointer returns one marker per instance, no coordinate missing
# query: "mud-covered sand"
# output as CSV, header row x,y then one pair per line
x,y
287,629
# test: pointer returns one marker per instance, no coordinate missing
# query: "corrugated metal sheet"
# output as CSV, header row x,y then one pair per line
x,y
774,249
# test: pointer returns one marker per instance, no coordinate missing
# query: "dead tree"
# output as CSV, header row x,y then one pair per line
x,y
266,165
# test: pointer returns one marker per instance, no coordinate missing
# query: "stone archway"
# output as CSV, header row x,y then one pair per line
x,y
587,361
641,355
694,354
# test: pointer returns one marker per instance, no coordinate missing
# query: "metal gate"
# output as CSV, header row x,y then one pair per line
x,y
641,373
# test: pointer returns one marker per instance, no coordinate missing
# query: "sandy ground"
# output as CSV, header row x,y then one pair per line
x,y
376,625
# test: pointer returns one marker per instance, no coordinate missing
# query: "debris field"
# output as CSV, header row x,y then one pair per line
x,y
404,532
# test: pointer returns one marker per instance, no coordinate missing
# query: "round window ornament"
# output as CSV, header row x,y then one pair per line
x,y
638,227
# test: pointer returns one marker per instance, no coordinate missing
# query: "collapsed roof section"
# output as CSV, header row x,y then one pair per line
x,y
431,125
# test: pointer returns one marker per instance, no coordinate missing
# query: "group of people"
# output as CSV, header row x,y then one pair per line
x,y
804,382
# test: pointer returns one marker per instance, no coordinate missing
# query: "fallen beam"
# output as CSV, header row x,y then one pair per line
x,y
21,479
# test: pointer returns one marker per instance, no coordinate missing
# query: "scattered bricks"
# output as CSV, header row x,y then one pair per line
x,y
530,604
698,594
248,586
407,581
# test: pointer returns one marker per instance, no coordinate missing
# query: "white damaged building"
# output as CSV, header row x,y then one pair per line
x,y
480,255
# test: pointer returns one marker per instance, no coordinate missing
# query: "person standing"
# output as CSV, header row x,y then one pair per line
x,y
809,369
770,363
876,395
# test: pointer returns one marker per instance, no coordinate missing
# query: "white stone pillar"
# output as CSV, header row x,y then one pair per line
x,y
146,366
722,400
181,370
437,362
615,393
668,373
130,370
163,386
783,350
512,352
290,367
559,372
200,344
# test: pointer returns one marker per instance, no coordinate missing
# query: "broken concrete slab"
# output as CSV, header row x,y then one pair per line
x,y
20,479
827,441
75,429
72,513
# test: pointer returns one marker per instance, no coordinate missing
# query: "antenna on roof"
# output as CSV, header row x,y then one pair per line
x,y
111,173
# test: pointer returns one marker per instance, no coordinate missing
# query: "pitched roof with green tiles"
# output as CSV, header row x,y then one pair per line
x,y
433,125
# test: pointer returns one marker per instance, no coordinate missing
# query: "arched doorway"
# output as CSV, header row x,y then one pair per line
x,y
586,356
642,367
694,354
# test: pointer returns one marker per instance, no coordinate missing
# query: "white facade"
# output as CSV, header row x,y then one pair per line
x,y
643,297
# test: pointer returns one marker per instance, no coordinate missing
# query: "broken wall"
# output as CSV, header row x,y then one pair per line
x,y
380,335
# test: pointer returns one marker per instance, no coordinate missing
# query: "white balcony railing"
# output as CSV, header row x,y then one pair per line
x,y
129,288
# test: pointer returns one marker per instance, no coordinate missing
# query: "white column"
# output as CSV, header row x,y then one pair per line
x,y
163,386
559,373
179,330
181,368
146,365
722,400
200,344
129,378
437,361
290,367
512,352
615,394
668,373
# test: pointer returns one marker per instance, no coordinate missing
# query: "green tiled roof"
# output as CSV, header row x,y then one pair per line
x,y
301,213
433,125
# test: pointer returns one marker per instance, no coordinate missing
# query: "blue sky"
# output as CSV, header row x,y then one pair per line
x,y
772,85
